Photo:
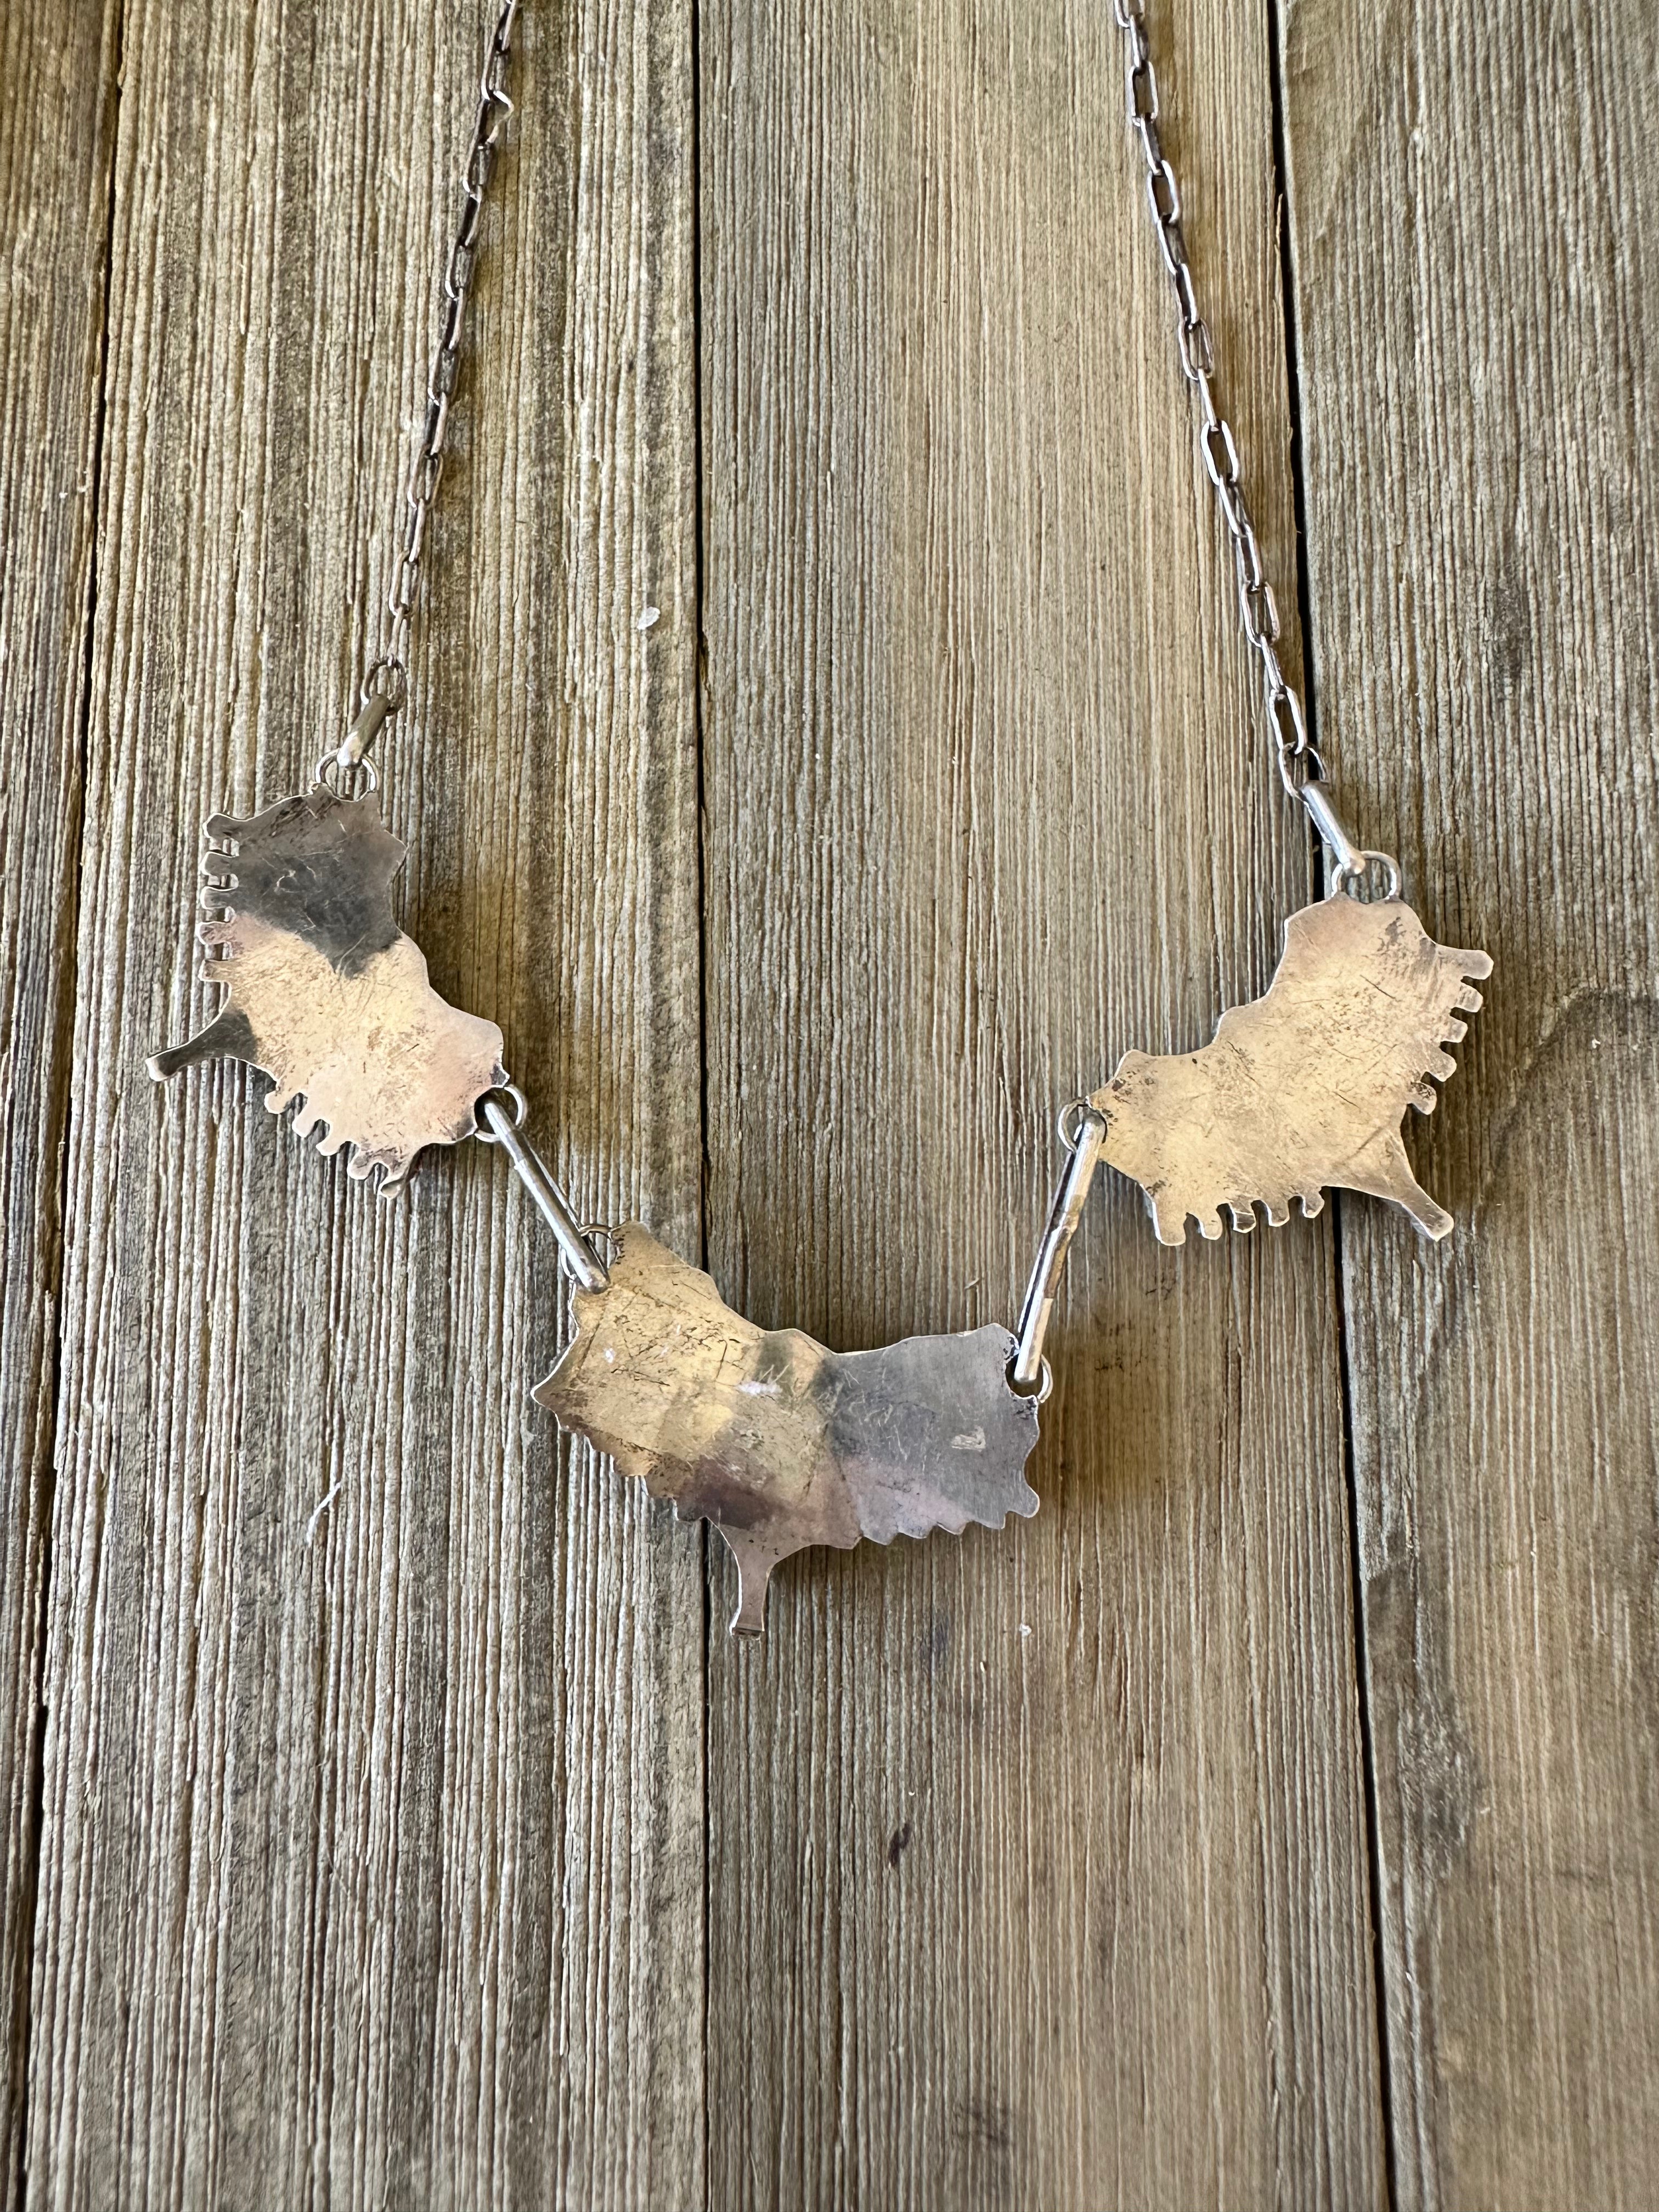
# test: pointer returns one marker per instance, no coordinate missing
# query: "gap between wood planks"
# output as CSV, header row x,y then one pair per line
x,y
698,712
1339,1201
63,1114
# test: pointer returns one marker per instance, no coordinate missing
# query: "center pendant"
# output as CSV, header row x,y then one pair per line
x,y
777,1441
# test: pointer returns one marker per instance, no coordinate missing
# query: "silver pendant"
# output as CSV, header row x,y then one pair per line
x,y
1305,1088
778,1442
326,994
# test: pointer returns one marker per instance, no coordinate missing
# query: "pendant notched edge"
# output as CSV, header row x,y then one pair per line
x,y
325,993
1305,1088
779,1443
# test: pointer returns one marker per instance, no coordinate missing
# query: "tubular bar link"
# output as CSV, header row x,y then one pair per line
x,y
1026,1370
581,1262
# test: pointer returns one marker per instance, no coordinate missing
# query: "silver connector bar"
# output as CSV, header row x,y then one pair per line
x,y
364,731
581,1261
1315,796
1064,1215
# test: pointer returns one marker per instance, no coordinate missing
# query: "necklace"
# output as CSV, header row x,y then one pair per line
x,y
1305,1088
777,1441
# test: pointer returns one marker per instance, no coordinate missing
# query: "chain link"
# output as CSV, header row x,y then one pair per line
x,y
386,687
1299,764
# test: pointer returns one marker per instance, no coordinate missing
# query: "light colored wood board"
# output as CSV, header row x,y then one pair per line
x,y
1475,204
58,75
372,1862
1077,1917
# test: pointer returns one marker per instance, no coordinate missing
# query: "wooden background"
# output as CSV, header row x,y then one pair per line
x,y
387,1819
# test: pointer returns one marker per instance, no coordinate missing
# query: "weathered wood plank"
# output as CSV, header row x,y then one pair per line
x,y
58,72
1074,1917
372,1864
1475,207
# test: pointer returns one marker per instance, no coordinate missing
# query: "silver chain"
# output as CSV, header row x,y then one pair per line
x,y
1299,764
386,687
1083,1126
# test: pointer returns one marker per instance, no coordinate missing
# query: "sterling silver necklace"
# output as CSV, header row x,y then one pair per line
x,y
777,1441
1305,1088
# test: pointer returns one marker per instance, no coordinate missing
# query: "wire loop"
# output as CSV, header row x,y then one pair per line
x,y
1348,876
483,1133
337,775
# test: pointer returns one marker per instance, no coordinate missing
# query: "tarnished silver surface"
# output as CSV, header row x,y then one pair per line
x,y
326,994
1304,1088
778,1442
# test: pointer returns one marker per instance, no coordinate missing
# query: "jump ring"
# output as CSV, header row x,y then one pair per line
x,y
1347,875
1040,1390
396,689
1071,1129
483,1133
602,1233
364,768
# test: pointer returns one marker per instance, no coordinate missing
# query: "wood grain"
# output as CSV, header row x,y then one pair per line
x,y
1037,1859
372,1858
58,75
402,1828
1475,218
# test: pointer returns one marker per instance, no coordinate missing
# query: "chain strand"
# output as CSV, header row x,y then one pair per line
x,y
1299,765
386,687
1258,608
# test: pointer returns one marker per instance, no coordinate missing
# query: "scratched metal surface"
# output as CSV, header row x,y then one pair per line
x,y
781,1444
